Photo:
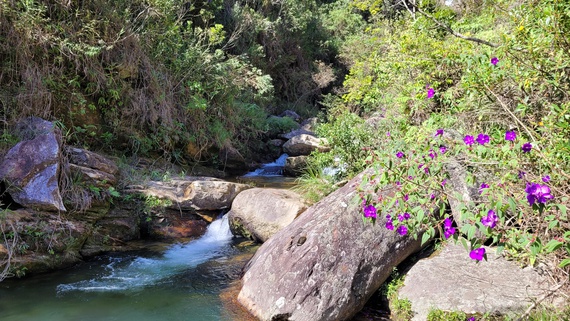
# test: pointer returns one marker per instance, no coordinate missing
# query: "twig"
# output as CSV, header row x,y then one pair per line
x,y
512,115
453,32
542,298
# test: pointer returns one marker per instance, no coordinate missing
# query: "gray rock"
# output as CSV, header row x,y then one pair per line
x,y
310,124
259,213
296,132
193,193
325,265
30,169
85,158
295,166
291,114
451,281
304,145
458,188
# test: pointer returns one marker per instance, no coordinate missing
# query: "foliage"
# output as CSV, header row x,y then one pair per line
x,y
400,309
278,125
409,70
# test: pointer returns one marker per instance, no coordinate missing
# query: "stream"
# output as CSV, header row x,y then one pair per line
x,y
181,282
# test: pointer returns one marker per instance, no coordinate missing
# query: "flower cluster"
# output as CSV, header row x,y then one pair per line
x,y
537,193
490,220
477,254
448,229
370,211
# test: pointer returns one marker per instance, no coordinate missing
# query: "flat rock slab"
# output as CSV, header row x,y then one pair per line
x,y
451,281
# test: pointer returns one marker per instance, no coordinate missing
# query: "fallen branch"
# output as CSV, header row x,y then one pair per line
x,y
453,32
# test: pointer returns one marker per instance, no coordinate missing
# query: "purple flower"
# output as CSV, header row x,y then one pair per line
x,y
399,154
537,193
468,140
510,135
546,179
490,220
430,93
477,254
444,182
402,230
370,211
443,149
494,61
526,147
388,134
420,166
521,174
401,217
407,216
448,229
471,319
432,154
432,196
389,225
438,132
426,170
388,216
483,186
482,139
406,197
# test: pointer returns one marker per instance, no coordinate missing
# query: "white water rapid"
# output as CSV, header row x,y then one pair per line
x,y
132,274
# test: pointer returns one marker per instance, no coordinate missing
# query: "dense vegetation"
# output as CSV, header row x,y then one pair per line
x,y
185,79
181,79
479,86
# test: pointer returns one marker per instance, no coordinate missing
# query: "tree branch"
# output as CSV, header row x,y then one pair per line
x,y
453,32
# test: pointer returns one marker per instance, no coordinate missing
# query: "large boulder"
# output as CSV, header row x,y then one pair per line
x,y
325,265
295,166
259,213
193,193
304,145
451,281
30,170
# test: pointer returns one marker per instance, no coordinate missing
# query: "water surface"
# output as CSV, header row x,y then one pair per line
x,y
181,283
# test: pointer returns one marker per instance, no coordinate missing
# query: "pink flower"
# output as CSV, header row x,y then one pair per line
x,y
494,61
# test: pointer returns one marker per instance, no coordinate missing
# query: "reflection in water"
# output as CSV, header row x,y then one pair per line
x,y
183,283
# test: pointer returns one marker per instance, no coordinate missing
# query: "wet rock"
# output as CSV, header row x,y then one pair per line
x,y
304,145
295,166
259,213
30,169
325,265
451,281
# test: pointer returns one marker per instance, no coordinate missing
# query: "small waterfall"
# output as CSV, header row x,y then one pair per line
x,y
270,169
132,274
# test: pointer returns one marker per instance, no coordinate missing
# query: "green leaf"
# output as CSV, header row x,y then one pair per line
x,y
553,245
425,238
553,224
563,209
564,263
471,232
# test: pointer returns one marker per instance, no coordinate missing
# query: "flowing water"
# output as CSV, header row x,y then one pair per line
x,y
182,282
